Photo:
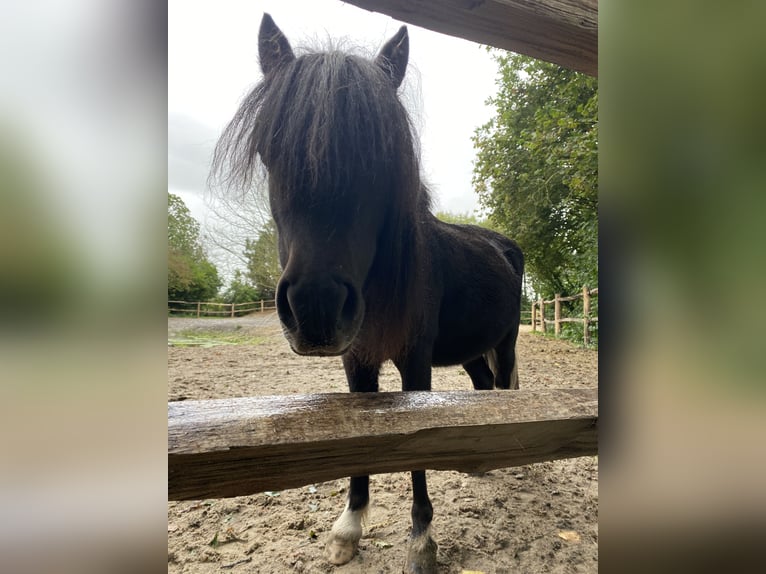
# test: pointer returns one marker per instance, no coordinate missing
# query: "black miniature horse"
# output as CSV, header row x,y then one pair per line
x,y
369,273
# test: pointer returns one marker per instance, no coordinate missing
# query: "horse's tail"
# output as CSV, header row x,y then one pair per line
x,y
491,358
515,371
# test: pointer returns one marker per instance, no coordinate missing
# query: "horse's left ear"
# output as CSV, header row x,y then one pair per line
x,y
394,55
273,47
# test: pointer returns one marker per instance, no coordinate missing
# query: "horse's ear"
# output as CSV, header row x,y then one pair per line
x,y
394,55
273,48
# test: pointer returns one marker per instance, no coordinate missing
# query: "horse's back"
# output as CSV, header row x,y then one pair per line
x,y
505,245
477,248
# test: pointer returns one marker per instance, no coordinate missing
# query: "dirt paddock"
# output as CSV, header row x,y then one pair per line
x,y
536,518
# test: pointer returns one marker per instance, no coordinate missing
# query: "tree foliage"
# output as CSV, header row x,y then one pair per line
x,y
233,219
537,168
240,290
191,276
459,218
263,269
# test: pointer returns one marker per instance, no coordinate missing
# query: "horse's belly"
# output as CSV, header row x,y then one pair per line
x,y
458,348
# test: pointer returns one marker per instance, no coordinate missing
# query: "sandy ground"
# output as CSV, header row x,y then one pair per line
x,y
536,518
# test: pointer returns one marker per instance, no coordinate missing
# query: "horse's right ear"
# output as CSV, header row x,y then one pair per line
x,y
394,55
273,48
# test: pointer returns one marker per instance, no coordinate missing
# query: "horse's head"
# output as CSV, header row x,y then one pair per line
x,y
337,146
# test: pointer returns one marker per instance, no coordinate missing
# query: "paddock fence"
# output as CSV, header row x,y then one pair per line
x,y
213,309
540,307
526,317
232,447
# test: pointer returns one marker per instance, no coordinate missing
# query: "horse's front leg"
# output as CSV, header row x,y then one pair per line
x,y
347,530
421,556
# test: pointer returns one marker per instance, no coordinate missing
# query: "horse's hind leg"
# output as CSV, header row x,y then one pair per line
x,y
347,530
506,369
480,373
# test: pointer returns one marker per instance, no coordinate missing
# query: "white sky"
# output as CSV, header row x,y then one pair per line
x,y
212,64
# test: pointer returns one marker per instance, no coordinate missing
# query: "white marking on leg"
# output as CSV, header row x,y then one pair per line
x,y
345,535
349,524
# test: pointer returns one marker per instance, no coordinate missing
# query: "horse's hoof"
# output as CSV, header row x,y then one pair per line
x,y
340,551
421,557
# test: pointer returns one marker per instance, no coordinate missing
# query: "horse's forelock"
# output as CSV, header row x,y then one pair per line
x,y
329,121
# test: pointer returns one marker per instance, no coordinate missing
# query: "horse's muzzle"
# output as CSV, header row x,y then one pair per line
x,y
320,314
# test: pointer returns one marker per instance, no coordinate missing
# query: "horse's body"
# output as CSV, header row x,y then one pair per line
x,y
369,272
469,313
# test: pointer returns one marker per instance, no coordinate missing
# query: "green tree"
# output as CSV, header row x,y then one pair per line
x,y
464,218
263,269
537,168
191,276
240,290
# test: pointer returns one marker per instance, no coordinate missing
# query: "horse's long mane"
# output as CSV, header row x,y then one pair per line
x,y
331,124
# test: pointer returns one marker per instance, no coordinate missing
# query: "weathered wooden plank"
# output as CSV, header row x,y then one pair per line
x,y
232,447
560,31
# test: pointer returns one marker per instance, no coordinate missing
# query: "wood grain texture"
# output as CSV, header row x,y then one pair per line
x,y
232,447
560,31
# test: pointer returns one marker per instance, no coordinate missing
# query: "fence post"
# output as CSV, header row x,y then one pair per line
x,y
199,304
557,314
232,310
261,305
586,314
542,315
534,318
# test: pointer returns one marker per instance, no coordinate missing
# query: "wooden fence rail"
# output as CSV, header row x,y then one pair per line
x,y
232,447
203,308
538,313
564,32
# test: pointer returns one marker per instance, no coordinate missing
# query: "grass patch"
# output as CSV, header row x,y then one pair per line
x,y
571,336
201,338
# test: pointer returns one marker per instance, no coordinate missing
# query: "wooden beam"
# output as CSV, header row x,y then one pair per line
x,y
560,31
232,447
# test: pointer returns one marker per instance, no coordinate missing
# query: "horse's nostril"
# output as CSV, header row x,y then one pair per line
x,y
284,310
350,306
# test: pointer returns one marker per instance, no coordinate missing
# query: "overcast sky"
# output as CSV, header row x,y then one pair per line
x,y
212,64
